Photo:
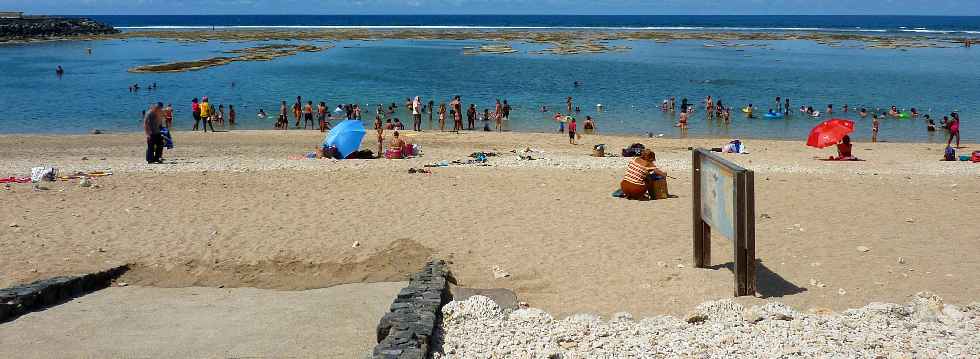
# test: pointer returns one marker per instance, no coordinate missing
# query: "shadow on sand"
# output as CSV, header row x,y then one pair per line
x,y
769,284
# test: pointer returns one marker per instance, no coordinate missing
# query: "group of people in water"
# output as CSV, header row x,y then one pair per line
x,y
206,115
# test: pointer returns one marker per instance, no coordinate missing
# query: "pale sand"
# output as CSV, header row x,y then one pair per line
x,y
233,211
146,322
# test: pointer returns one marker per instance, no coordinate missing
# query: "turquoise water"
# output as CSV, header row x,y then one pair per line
x,y
93,92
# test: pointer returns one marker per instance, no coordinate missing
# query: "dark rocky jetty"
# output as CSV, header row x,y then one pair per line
x,y
47,28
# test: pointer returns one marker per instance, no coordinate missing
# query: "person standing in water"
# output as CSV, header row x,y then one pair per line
x,y
779,105
442,117
282,122
499,116
874,128
168,116
471,117
457,111
572,128
954,129
196,112
231,115
568,102
206,113
417,114
308,115
298,110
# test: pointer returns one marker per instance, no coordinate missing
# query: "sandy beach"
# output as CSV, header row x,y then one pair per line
x,y
229,209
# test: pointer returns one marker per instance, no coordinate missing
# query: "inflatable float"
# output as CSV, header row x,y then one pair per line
x,y
773,115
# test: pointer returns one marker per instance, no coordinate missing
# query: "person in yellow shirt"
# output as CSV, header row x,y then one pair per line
x,y
206,113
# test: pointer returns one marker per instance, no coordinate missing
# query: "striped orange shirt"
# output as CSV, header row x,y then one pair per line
x,y
636,173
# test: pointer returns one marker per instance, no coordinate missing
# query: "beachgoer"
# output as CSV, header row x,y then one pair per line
x,y
399,125
779,105
671,104
505,110
457,110
417,114
844,150
308,115
830,109
561,122
298,110
589,125
196,112
261,114
231,115
845,108
486,120
786,108
954,129
471,117
442,116
168,116
152,125
641,172
930,125
682,122
221,115
321,116
380,130
283,121
396,143
874,128
568,101
357,112
59,71
430,109
498,116
709,106
893,112
207,114
572,127
915,113
863,112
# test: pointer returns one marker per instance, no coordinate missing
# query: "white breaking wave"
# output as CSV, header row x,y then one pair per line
x,y
193,27
467,27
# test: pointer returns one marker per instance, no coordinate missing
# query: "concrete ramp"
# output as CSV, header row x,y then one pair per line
x,y
150,322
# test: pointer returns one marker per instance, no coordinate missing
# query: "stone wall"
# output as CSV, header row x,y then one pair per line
x,y
51,27
407,330
19,300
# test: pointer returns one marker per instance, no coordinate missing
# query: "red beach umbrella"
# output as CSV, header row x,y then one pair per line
x,y
829,132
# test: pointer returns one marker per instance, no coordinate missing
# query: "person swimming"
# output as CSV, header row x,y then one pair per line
x,y
930,125
863,113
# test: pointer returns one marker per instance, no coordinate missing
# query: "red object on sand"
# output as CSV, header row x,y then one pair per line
x,y
829,132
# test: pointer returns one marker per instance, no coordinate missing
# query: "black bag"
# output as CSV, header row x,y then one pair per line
x,y
633,150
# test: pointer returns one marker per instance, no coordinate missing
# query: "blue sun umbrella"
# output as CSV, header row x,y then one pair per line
x,y
346,136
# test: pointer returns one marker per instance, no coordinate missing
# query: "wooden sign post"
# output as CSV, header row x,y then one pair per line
x,y
724,200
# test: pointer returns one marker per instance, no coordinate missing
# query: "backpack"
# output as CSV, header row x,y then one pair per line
x,y
950,154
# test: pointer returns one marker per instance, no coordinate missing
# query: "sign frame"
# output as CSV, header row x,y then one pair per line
x,y
743,216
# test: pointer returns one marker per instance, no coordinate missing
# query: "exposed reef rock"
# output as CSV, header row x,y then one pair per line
x,y
260,53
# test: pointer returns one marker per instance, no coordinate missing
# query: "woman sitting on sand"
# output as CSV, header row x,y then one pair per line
x,y
844,150
641,173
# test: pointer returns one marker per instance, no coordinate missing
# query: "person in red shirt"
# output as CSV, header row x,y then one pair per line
x,y
572,127
196,110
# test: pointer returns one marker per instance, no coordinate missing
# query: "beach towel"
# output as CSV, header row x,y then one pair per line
x,y
15,180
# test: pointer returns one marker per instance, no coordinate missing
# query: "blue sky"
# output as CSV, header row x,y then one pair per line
x,y
318,7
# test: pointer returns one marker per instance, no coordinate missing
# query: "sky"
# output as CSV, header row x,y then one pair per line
x,y
633,7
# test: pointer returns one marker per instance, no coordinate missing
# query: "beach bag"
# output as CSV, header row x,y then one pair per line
x,y
975,157
950,154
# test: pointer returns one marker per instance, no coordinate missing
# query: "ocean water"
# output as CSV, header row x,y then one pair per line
x,y
93,92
